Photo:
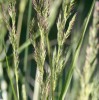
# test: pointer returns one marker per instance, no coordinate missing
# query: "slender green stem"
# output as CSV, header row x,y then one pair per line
x,y
27,34
19,26
50,62
37,85
8,71
20,18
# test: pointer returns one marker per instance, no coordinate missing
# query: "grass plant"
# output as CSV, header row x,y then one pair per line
x,y
34,50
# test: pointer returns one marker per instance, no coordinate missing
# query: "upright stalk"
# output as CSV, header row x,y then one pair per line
x,y
37,85
27,34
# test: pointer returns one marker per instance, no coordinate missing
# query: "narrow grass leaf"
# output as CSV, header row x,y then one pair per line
x,y
8,71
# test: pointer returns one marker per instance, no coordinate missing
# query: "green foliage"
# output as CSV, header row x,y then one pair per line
x,y
50,55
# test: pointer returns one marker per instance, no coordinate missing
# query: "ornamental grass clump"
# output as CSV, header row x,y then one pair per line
x,y
36,62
